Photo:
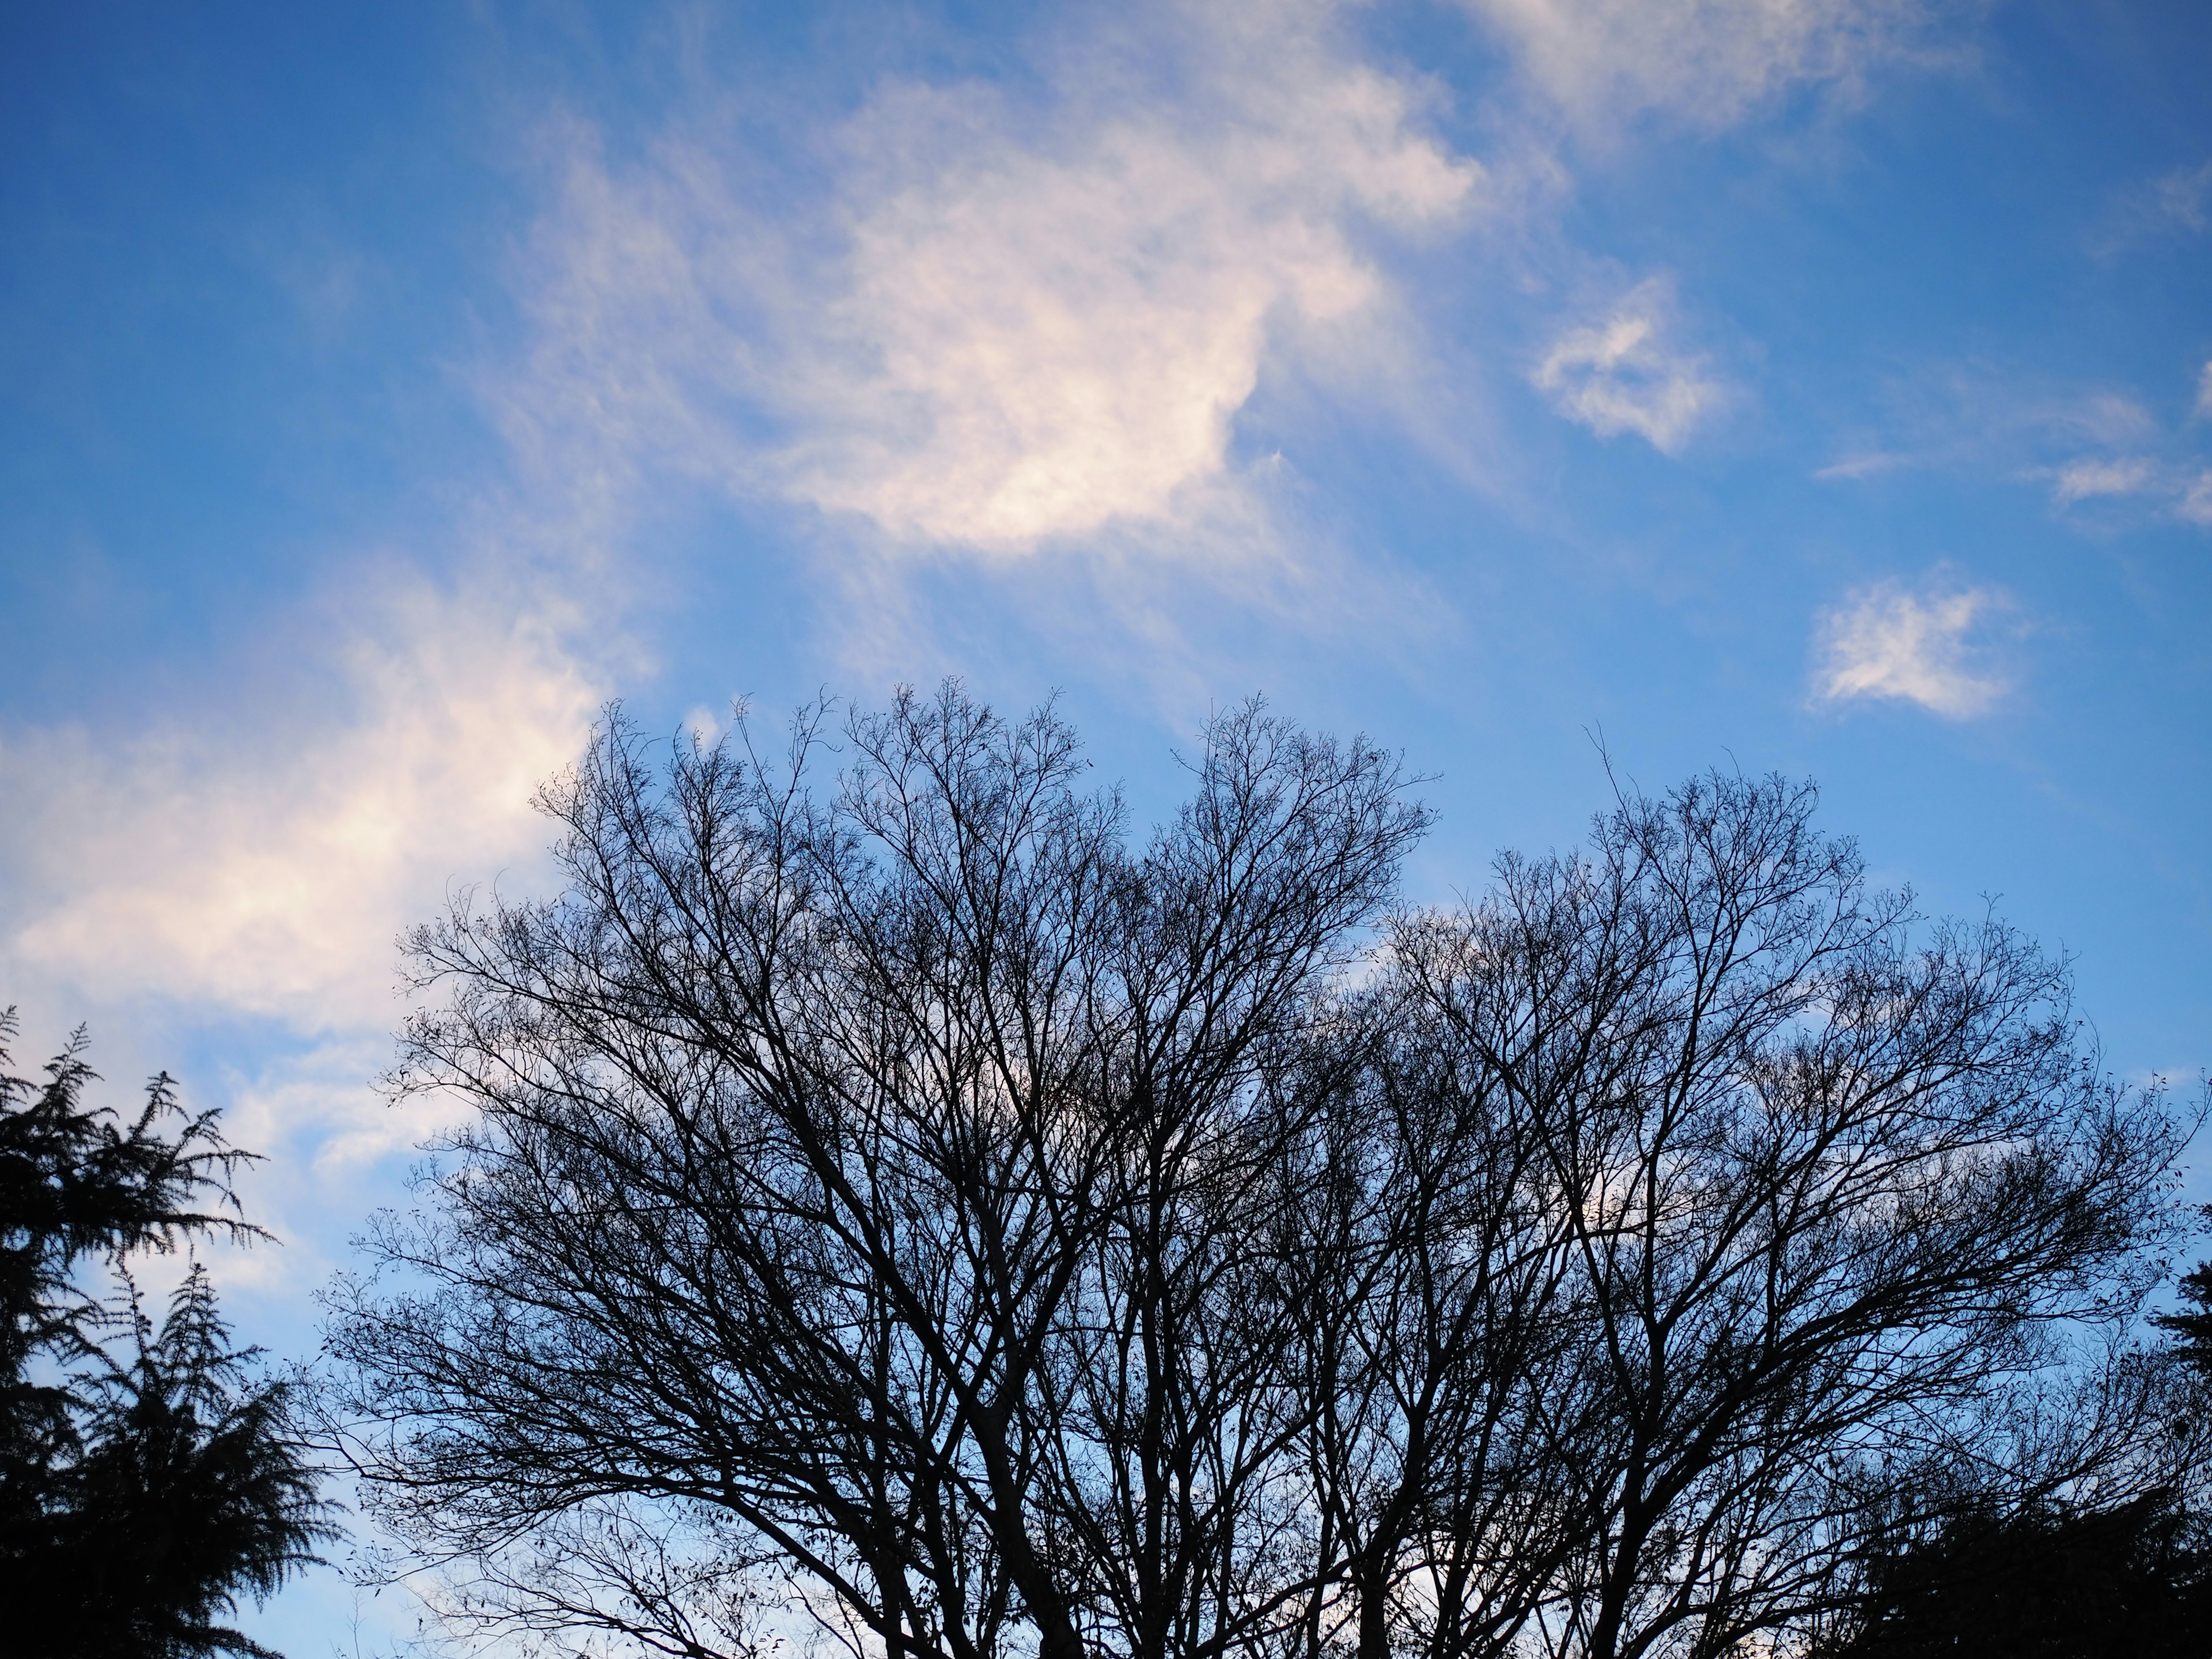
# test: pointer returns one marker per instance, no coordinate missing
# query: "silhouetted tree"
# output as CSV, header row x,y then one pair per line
x,y
139,1495
2047,1581
2049,1577
904,1188
907,1205
2191,1325
1829,1186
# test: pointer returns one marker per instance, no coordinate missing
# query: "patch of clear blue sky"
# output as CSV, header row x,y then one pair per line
x,y
254,254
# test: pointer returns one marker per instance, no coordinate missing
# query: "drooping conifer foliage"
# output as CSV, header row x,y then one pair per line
x,y
147,1474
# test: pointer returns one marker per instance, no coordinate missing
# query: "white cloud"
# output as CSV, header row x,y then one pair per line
x,y
1706,63
1888,642
2178,198
2175,202
2174,486
264,865
2108,458
329,1140
998,326
1620,374
2078,481
2175,481
2103,417
2136,461
1865,464
1005,327
1065,342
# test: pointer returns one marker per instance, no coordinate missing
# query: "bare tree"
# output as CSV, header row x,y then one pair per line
x,y
1448,1344
1836,1202
886,1187
907,1206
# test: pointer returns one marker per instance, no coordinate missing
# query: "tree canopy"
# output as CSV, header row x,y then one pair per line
x,y
908,1202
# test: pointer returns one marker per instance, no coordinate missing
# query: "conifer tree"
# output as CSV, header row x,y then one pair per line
x,y
148,1476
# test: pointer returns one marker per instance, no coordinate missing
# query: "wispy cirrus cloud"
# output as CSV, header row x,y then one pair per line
x,y
1008,324
246,861
1004,326
263,861
1033,345
999,324
1707,64
1623,374
1890,643
2104,455
1865,464
2195,503
2180,199
2177,203
2170,480
2083,480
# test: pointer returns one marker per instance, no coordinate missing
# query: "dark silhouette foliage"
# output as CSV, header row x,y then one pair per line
x,y
2046,1582
148,1476
2192,1326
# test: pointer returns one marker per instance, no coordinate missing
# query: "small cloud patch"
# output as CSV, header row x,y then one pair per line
x,y
2078,481
2176,203
1888,642
1620,375
2195,503
1868,465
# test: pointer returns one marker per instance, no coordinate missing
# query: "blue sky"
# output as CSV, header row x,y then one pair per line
x,y
1815,385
